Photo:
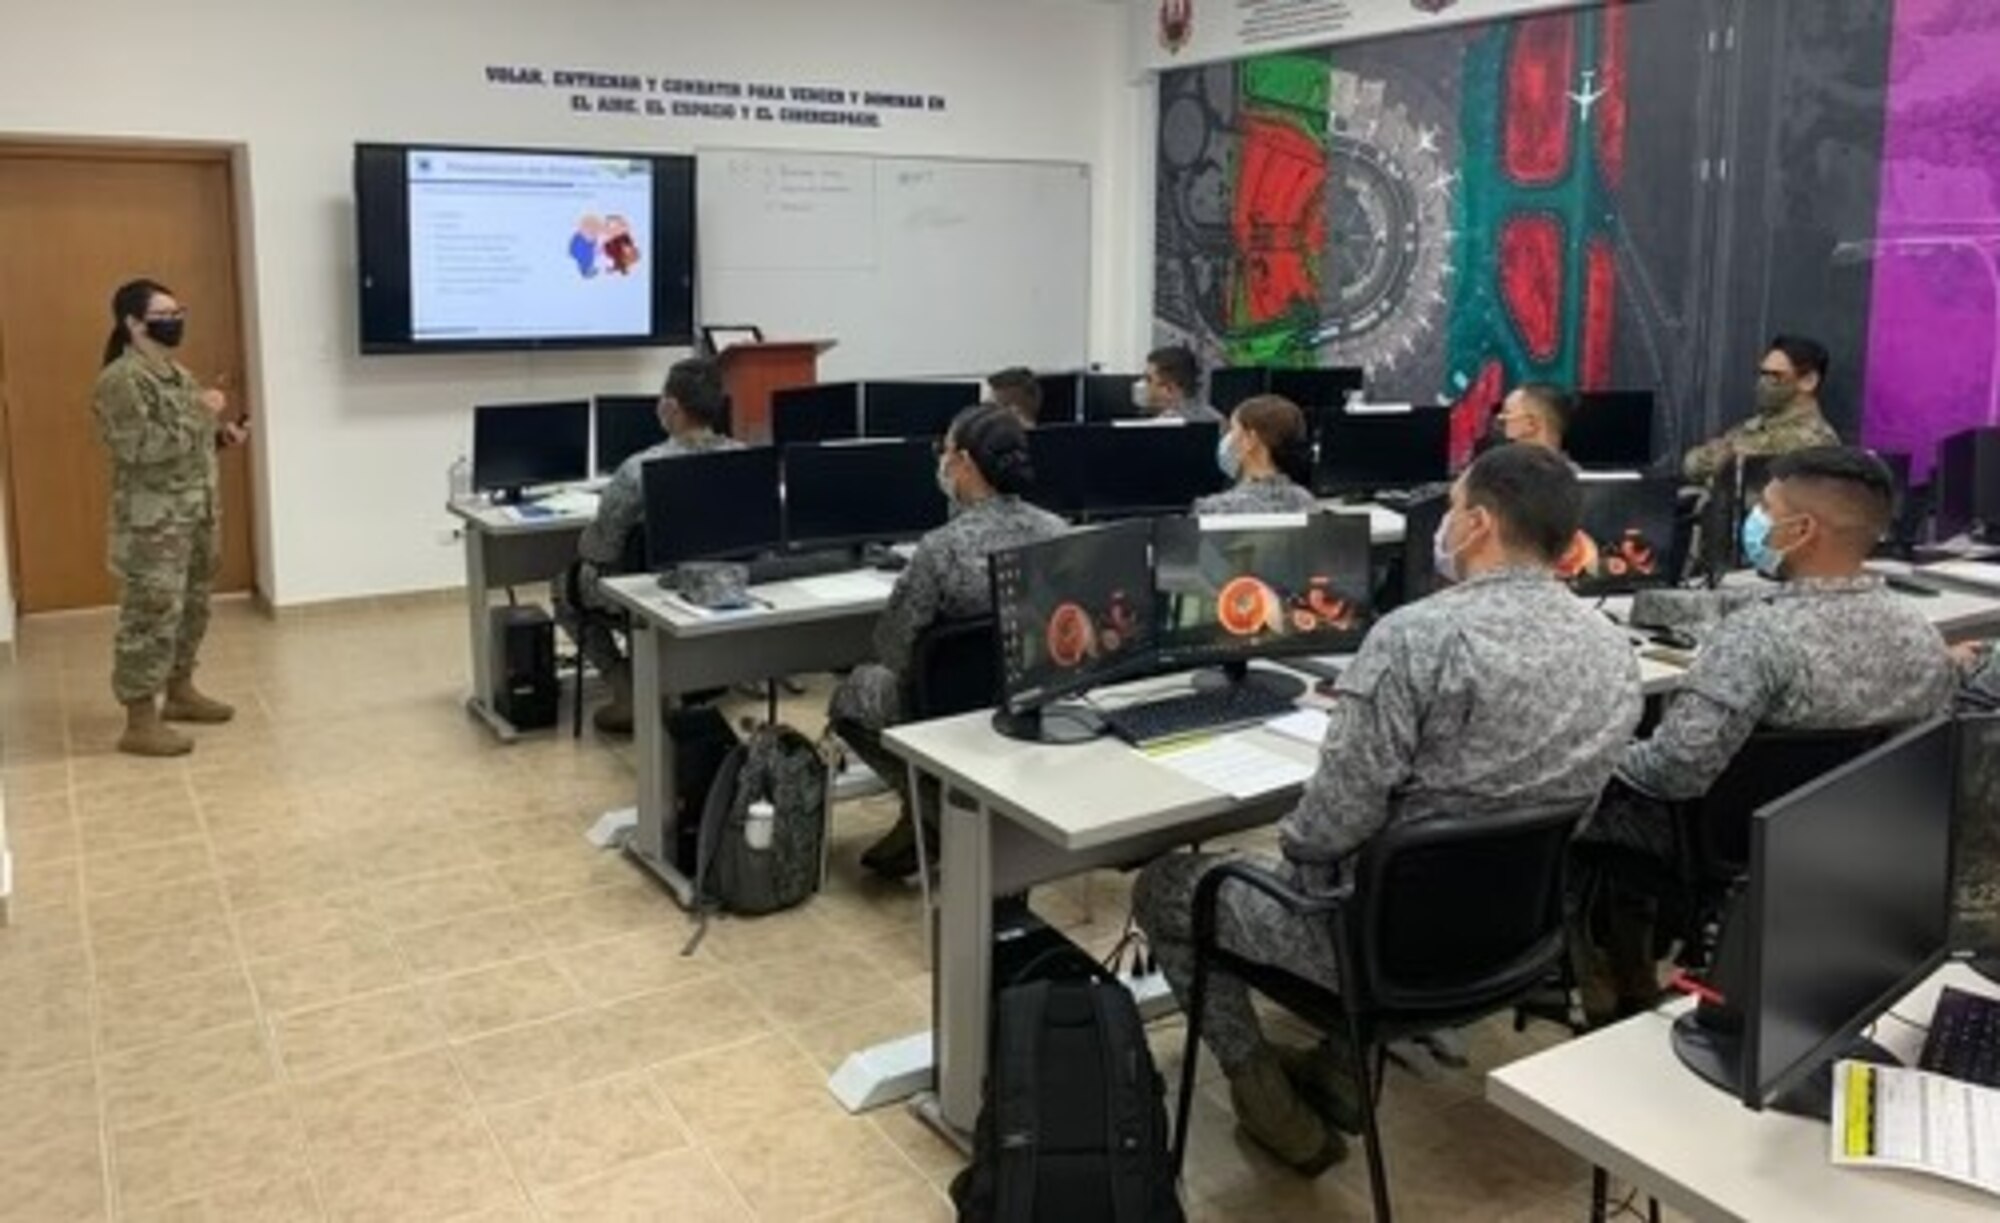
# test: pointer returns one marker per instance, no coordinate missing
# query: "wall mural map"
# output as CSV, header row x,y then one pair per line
x,y
1551,197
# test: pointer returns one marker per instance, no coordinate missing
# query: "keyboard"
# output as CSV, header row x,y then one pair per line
x,y
1964,1041
1216,710
800,565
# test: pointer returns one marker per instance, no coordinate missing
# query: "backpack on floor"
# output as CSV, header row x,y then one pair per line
x,y
779,766
1074,1125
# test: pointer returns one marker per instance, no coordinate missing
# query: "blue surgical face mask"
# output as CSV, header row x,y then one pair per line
x,y
1227,460
1757,549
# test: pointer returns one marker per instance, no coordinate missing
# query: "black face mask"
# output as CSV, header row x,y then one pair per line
x,y
166,332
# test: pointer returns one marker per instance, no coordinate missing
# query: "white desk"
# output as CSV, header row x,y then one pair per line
x,y
502,550
1385,526
1621,1099
813,624
1982,576
1039,814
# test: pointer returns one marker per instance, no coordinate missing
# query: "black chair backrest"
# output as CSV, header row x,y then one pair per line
x,y
632,556
1460,912
954,669
1770,765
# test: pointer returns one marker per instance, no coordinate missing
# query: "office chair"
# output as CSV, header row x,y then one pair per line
x,y
1711,834
1447,921
954,669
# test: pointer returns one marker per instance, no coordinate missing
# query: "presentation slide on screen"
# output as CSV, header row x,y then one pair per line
x,y
510,246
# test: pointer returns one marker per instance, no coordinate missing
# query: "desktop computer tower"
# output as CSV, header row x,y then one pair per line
x,y
525,691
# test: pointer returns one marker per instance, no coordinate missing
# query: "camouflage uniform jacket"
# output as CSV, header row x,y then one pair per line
x,y
947,579
1830,654
1799,426
1501,692
1196,412
1982,678
1261,495
622,505
162,443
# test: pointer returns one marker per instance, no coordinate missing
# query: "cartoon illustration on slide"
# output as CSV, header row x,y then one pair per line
x,y
583,244
620,250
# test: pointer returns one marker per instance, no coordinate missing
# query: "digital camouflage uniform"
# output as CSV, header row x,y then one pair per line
x,y
166,505
1982,678
1797,426
1827,654
947,580
1500,693
1260,495
621,509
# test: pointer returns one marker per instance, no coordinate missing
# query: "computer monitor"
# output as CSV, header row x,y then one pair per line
x,y
1062,398
1108,397
1231,385
844,493
825,412
1124,471
1850,904
1372,449
714,505
913,409
1613,431
1419,578
1968,483
1269,586
626,425
516,446
1070,614
1975,851
1626,542
1317,390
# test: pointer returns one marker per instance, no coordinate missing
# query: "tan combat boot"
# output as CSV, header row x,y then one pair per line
x,y
1270,1111
146,735
185,703
615,716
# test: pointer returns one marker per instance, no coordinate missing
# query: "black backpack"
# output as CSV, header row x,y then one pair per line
x,y
1074,1125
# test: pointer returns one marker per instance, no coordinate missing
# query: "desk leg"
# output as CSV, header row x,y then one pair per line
x,y
1600,1194
964,965
653,840
481,635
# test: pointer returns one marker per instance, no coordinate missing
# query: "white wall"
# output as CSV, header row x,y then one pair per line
x,y
353,452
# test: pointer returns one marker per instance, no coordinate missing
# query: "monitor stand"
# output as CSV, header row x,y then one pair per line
x,y
507,496
1282,684
1714,1052
1062,724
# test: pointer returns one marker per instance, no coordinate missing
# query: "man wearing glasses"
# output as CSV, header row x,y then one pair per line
x,y
1788,414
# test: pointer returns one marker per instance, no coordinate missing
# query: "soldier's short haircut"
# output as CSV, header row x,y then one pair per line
x,y
696,384
1533,493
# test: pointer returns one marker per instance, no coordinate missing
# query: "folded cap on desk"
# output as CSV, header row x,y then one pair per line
x,y
712,583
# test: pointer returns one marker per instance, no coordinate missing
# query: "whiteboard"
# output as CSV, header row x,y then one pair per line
x,y
918,267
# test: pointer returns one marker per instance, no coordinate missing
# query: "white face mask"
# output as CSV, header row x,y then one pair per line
x,y
1443,558
1141,398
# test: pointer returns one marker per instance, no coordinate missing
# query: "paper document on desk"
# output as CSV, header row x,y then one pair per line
x,y
1889,1117
1235,767
844,587
1308,726
574,503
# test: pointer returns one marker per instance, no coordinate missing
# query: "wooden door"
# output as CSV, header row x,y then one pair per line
x,y
74,225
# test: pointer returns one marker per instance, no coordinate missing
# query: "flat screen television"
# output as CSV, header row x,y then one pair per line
x,y
471,248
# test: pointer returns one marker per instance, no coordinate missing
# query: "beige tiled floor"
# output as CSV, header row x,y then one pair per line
x,y
354,961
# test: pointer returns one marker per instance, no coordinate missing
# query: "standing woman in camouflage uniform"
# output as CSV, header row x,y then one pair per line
x,y
163,430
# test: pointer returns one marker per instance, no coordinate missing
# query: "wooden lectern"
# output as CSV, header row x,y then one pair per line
x,y
750,372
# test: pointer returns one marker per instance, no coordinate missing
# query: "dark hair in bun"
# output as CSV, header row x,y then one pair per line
x,y
994,439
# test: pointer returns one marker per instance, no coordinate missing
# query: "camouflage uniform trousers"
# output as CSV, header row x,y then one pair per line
x,y
592,621
1248,923
166,571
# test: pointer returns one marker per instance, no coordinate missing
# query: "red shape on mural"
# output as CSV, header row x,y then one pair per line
x,y
1600,313
1469,416
1541,71
1531,278
1611,111
1280,219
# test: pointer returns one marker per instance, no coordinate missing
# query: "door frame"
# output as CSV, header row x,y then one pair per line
x,y
234,158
